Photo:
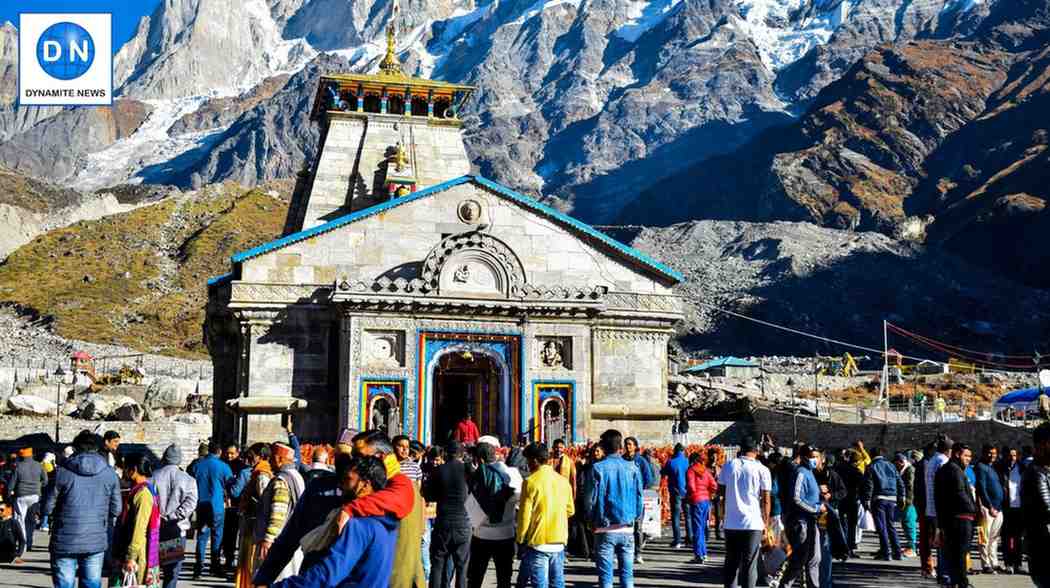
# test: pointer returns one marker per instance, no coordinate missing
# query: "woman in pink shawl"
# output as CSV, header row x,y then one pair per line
x,y
136,538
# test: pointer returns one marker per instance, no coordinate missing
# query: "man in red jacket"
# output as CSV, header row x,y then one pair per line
x,y
466,431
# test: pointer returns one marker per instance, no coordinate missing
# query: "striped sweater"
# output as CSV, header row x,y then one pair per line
x,y
277,502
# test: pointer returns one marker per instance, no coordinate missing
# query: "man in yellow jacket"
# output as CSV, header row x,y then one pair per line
x,y
543,521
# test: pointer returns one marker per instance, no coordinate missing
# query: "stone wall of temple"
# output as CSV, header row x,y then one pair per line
x,y
630,367
354,152
292,357
379,246
331,188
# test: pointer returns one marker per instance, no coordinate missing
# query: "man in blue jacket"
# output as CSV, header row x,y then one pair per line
x,y
883,493
617,503
213,476
83,505
990,497
806,506
675,471
363,553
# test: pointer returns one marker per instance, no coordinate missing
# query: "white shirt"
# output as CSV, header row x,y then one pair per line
x,y
1014,481
745,479
934,464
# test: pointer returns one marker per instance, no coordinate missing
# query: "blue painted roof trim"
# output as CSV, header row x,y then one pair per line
x,y
220,279
525,201
721,362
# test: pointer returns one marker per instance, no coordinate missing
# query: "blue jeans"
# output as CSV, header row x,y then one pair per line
x,y
700,512
65,569
825,560
542,569
618,545
209,522
428,528
678,511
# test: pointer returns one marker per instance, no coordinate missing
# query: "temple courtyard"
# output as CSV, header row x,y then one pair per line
x,y
664,568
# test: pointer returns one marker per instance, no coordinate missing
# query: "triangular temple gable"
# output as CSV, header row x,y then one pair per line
x,y
428,237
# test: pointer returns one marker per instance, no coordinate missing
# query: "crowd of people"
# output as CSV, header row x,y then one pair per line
x,y
376,512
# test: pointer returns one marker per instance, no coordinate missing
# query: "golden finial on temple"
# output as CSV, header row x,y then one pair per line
x,y
390,64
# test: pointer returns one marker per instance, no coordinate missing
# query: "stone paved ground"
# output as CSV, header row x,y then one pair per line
x,y
664,568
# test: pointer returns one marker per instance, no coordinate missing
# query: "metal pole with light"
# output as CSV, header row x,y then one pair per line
x,y
61,373
794,410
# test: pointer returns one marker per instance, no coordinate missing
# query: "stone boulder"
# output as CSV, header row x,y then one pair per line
x,y
133,391
99,407
95,407
165,392
129,410
30,405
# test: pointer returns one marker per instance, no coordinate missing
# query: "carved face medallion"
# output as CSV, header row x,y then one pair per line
x,y
469,211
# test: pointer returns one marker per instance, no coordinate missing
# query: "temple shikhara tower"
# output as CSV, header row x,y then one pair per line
x,y
406,293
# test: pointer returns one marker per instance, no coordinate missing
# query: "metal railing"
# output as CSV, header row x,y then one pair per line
x,y
897,409
27,369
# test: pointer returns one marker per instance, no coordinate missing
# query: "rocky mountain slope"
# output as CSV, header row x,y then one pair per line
x,y
30,207
839,284
604,98
939,137
136,279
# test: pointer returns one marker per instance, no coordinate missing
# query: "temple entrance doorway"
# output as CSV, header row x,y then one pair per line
x,y
467,382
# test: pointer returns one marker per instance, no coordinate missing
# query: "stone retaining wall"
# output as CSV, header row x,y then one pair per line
x,y
892,437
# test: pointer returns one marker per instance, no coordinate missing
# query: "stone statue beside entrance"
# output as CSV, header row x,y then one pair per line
x,y
385,417
551,355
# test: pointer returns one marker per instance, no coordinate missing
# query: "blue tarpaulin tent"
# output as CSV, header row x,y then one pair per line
x,y
1025,396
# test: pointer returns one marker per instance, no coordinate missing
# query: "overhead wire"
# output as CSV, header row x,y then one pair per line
x,y
815,336
962,351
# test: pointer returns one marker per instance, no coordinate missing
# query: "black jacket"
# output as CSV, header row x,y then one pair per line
x,y
830,478
853,479
952,494
920,487
447,486
1035,500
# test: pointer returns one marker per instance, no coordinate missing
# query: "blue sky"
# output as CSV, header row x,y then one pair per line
x,y
126,13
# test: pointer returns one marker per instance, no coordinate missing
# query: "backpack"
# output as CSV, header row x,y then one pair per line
x,y
492,492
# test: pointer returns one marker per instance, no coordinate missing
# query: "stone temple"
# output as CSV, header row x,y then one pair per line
x,y
406,292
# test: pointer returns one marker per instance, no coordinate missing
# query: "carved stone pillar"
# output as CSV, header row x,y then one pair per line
x,y
250,324
347,416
